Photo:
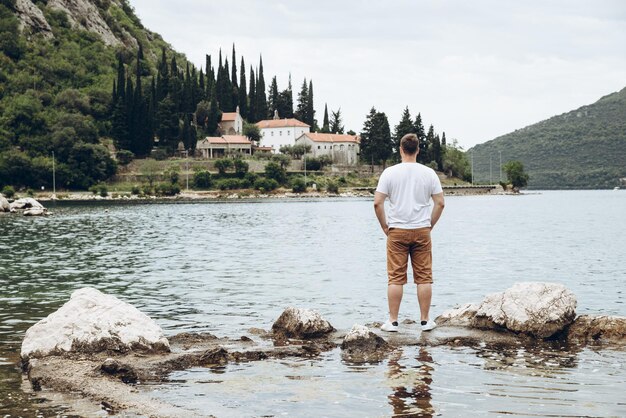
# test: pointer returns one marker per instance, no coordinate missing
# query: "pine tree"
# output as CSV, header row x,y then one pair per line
x,y
336,126
405,126
243,95
376,142
437,154
326,125
261,103
252,110
418,129
430,139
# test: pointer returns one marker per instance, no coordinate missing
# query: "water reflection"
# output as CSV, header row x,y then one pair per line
x,y
410,396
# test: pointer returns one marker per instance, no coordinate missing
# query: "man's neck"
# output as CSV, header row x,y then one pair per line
x,y
409,158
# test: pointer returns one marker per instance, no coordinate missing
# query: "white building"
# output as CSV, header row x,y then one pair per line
x,y
221,146
276,132
343,149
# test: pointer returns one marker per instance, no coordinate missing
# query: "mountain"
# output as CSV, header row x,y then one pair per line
x,y
581,149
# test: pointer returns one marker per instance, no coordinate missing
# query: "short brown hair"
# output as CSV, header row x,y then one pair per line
x,y
410,144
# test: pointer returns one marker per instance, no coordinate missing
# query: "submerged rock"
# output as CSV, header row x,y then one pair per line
x,y
301,323
92,322
36,212
598,329
4,204
538,309
362,345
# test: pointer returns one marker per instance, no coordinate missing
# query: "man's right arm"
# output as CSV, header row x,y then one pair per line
x,y
439,204
379,208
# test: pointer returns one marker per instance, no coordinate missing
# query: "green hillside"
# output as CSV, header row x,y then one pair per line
x,y
581,149
58,62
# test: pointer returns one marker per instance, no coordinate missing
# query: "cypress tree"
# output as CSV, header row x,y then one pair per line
x,y
214,118
252,109
210,79
121,79
310,109
140,128
443,141
437,154
261,104
119,116
326,124
418,129
167,124
162,83
430,139
201,86
233,77
285,102
243,95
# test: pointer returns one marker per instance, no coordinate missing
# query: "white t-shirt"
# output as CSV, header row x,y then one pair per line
x,y
409,187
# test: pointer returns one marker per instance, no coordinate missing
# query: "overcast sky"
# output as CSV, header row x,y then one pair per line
x,y
474,69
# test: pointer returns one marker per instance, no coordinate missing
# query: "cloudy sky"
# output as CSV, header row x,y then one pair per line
x,y
474,69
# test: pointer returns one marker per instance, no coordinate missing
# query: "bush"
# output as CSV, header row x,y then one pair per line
x,y
159,154
313,164
342,180
230,184
202,179
282,159
124,157
249,179
223,164
265,185
135,190
172,175
332,187
100,189
275,172
433,165
241,167
8,191
30,192
504,185
146,190
167,189
298,185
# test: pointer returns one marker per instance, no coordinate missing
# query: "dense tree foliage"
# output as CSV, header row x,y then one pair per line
x,y
376,142
515,174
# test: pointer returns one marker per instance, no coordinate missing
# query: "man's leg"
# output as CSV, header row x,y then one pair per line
x,y
394,298
424,296
397,261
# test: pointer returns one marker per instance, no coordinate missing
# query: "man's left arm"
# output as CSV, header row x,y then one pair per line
x,y
379,208
439,204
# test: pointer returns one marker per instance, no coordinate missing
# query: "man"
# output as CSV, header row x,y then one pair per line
x,y
409,187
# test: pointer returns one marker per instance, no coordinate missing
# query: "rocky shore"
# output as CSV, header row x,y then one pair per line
x,y
102,348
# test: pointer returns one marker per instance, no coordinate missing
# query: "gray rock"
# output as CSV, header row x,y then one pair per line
x,y
598,330
301,323
4,204
32,19
93,322
459,316
537,309
362,345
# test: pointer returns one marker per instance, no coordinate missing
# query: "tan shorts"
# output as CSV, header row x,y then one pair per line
x,y
402,243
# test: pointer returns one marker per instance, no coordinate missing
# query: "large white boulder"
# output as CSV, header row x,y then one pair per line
x,y
92,322
459,316
301,323
25,203
4,204
538,309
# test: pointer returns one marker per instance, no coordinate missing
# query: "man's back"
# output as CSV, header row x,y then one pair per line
x,y
409,187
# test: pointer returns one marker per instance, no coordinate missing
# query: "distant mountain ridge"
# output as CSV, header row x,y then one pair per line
x,y
581,149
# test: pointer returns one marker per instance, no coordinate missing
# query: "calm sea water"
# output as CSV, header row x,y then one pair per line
x,y
225,267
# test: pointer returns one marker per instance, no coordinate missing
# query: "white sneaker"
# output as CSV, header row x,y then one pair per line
x,y
429,325
390,326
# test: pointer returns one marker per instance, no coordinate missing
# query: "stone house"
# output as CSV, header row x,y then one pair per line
x,y
231,123
343,149
220,146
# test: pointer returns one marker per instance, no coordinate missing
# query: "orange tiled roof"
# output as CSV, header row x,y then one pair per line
x,y
229,116
281,123
318,137
226,139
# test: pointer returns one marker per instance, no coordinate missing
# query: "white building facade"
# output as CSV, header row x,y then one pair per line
x,y
343,149
276,133
231,123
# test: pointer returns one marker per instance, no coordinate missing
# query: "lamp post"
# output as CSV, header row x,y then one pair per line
x,y
54,180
